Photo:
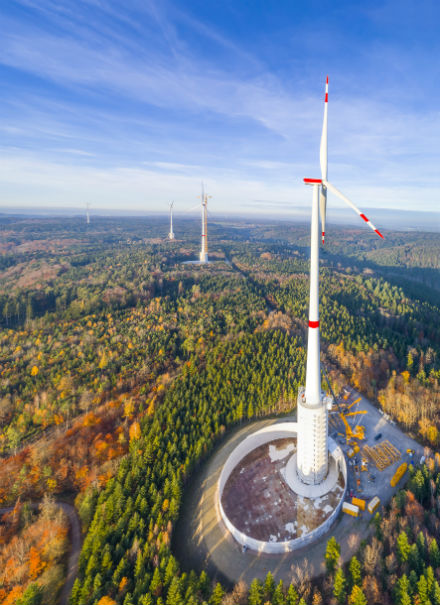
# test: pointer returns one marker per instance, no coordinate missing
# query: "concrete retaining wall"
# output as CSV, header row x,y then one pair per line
x,y
282,430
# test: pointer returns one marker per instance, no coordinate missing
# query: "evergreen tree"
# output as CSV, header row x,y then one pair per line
x,y
403,591
436,593
269,586
292,596
217,595
33,595
414,559
340,586
332,553
357,596
421,545
413,579
278,595
76,591
204,585
422,590
97,586
174,596
128,599
403,547
430,579
434,553
156,583
355,572
171,570
377,522
255,593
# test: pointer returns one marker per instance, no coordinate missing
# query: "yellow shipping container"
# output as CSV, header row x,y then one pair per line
x,y
398,474
358,502
350,509
373,504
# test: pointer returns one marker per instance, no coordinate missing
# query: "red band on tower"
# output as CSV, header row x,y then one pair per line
x,y
313,324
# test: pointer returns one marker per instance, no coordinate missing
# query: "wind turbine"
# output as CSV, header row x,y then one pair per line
x,y
88,213
204,246
171,233
312,457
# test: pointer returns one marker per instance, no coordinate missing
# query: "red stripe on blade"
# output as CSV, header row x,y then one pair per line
x,y
364,217
313,324
379,233
326,97
313,181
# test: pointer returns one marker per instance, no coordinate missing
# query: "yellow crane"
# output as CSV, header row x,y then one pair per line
x,y
354,403
358,432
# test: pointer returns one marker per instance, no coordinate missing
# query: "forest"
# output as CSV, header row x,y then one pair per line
x,y
122,368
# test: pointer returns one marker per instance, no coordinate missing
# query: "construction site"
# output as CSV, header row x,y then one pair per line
x,y
377,458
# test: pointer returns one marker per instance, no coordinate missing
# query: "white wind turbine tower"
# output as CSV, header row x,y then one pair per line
x,y
204,247
312,456
88,213
171,233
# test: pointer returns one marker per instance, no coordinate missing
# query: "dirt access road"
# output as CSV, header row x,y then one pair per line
x,y
75,546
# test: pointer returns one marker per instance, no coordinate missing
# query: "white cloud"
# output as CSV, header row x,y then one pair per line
x,y
32,182
267,129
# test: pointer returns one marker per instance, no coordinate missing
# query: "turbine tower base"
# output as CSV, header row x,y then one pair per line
x,y
312,462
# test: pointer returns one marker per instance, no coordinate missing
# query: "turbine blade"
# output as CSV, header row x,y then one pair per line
x,y
323,159
322,210
323,147
333,189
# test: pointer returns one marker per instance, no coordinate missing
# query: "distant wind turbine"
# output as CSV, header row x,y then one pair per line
x,y
171,233
88,213
204,246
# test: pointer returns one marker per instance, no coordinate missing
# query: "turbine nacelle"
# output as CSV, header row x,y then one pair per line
x,y
325,184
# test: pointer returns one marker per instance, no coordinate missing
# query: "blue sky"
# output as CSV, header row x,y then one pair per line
x,y
130,104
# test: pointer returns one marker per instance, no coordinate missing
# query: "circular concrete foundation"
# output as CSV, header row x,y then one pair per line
x,y
311,491
263,503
